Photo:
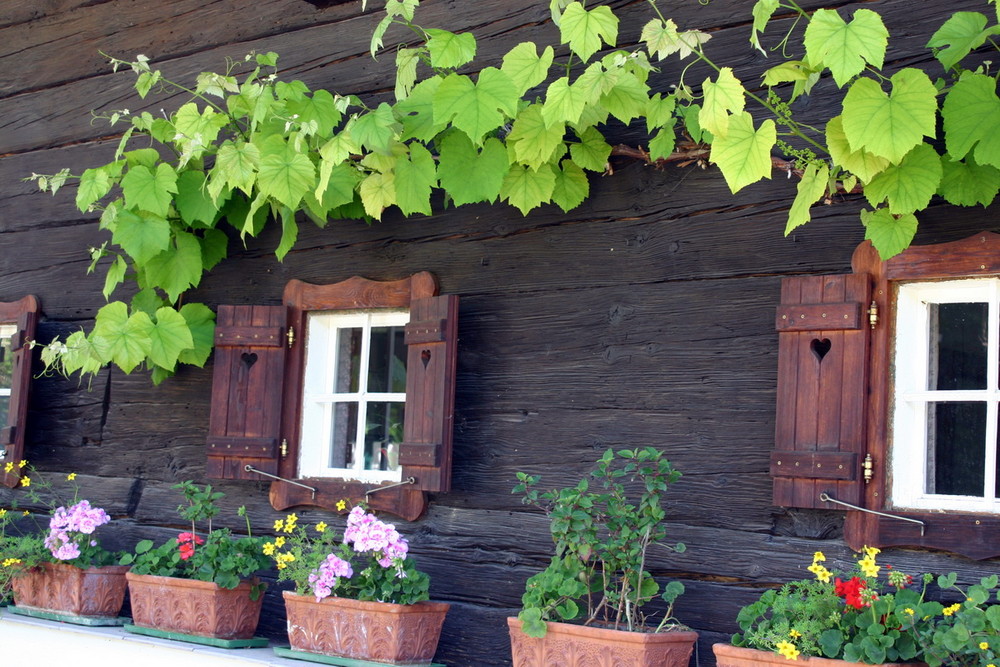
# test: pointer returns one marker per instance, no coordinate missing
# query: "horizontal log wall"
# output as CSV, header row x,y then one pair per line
x,y
642,318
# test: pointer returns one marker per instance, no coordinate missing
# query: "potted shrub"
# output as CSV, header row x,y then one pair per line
x,y
63,573
198,586
855,617
591,596
359,597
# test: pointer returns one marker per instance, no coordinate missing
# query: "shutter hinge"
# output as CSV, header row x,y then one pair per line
x,y
290,335
284,448
873,314
868,468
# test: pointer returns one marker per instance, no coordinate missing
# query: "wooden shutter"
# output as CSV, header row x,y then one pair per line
x,y
431,338
245,422
822,390
24,313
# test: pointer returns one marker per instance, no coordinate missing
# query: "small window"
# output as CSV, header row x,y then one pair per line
x,y
354,395
945,409
17,331
7,331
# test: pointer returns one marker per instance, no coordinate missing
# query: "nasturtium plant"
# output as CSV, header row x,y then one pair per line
x,y
247,150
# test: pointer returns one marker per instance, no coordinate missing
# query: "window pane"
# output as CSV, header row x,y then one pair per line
x,y
348,360
343,435
383,433
956,448
6,371
958,340
387,360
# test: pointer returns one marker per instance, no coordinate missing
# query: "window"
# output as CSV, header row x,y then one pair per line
x,y
888,402
344,392
17,330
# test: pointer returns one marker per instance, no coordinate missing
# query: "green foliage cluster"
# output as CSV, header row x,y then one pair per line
x,y
247,149
219,557
598,571
964,634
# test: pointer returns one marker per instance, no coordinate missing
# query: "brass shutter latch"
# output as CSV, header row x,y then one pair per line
x,y
290,335
873,314
868,468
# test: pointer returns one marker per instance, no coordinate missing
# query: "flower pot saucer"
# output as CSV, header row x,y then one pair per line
x,y
253,642
93,621
344,662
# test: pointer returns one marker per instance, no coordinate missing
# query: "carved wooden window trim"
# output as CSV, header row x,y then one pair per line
x,y
23,314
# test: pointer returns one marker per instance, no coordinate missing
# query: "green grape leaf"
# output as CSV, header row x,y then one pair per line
x,y
908,186
319,110
592,151
970,112
415,177
406,71
375,130
378,33
845,47
289,232
525,67
563,102
168,337
762,12
378,191
959,35
193,202
662,145
235,167
475,108
149,190
967,183
120,338
148,301
285,174
787,72
214,247
532,141
114,277
660,112
417,112
586,31
627,98
723,96
744,154
663,39
142,236
571,186
81,355
201,128
449,50
468,175
177,268
860,163
890,234
201,323
890,125
525,188
809,190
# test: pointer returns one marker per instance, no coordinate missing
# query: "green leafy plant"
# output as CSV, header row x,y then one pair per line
x,y
247,150
370,562
858,618
965,633
219,556
601,538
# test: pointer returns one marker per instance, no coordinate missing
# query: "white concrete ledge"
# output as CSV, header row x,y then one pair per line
x,y
31,642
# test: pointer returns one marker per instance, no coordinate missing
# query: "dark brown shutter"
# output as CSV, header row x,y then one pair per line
x,y
25,314
822,390
245,422
431,337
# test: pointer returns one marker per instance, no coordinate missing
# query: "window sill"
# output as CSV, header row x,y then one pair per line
x,y
30,641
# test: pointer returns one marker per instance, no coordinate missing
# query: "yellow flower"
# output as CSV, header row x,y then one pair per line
x,y
25,481
279,542
794,634
868,567
3,513
818,556
948,611
268,548
983,646
279,524
321,527
70,477
281,566
788,650
290,521
9,467
341,505
908,611
25,513
21,464
871,552
11,561
822,574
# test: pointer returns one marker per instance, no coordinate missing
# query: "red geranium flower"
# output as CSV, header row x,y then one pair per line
x,y
850,590
187,542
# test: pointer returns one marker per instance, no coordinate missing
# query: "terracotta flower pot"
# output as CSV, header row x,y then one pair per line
x,y
192,607
727,655
67,589
571,645
376,631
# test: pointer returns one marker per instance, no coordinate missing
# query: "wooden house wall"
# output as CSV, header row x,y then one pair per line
x,y
642,318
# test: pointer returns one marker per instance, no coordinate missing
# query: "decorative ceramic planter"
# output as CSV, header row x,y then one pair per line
x,y
570,645
96,592
192,607
376,631
727,655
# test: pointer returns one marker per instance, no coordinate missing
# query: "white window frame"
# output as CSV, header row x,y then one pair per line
x,y
319,395
911,397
